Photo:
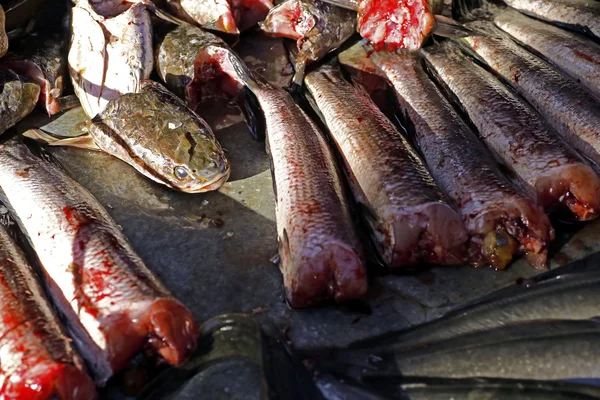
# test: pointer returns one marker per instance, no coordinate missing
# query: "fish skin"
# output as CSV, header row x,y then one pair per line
x,y
113,305
555,174
44,63
175,56
566,297
3,37
412,223
467,174
317,27
321,255
38,360
573,112
154,132
17,98
109,55
572,13
539,350
576,55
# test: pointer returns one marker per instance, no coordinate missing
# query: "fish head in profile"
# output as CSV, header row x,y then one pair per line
x,y
157,134
289,20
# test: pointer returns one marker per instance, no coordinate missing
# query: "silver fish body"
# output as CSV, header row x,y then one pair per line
x,y
581,14
110,52
496,214
574,54
554,173
112,304
411,221
573,112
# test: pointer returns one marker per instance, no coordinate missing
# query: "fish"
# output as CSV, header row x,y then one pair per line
x,y
539,350
38,360
3,36
110,51
565,296
411,221
259,359
571,110
18,97
155,133
396,24
553,172
500,220
44,63
575,14
175,56
576,55
317,27
340,387
113,306
321,257
227,16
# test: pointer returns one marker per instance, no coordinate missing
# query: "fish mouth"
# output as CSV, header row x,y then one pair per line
x,y
216,182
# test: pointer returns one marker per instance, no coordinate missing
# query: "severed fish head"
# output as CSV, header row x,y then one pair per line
x,y
18,97
317,27
159,136
248,13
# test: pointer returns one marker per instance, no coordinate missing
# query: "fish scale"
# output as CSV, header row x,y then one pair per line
x,y
555,174
112,303
413,223
464,169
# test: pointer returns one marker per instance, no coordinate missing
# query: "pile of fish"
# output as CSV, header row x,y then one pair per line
x,y
494,130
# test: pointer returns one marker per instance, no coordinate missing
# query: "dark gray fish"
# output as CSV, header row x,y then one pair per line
x,y
539,350
501,221
235,359
574,54
155,133
113,305
552,171
568,296
578,14
411,221
18,97
571,110
318,28
321,255
43,59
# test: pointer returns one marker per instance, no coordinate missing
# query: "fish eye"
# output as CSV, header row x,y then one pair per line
x,y
180,172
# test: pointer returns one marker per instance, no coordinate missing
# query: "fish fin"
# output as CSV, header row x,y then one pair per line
x,y
255,118
447,27
165,16
84,141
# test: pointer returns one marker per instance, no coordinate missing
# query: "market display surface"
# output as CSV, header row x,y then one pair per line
x,y
415,164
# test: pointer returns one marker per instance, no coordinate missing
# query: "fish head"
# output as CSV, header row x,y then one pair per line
x,y
289,20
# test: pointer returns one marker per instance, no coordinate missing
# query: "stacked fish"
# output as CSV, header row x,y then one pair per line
x,y
527,341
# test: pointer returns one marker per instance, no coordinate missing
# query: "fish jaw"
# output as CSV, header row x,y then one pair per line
x,y
289,21
395,24
335,272
577,187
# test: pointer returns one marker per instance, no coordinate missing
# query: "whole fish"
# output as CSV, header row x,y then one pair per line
x,y
227,16
317,27
321,255
18,97
574,54
409,219
567,297
3,37
110,52
42,60
554,173
112,304
578,14
155,133
500,220
539,350
176,54
573,112
38,360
